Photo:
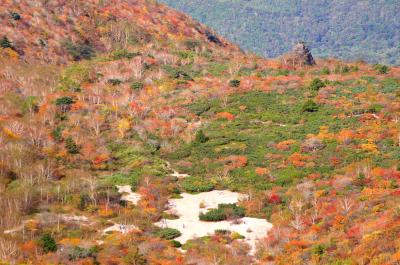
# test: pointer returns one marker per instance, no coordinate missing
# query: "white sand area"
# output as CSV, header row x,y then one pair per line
x,y
188,209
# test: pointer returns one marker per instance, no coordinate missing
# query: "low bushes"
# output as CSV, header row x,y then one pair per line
x,y
137,85
168,233
79,51
310,106
234,83
193,184
5,43
223,212
381,69
317,84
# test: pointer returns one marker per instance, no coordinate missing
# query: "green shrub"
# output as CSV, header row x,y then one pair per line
x,y
169,233
345,69
114,81
71,146
318,249
30,104
79,51
381,69
123,53
213,215
201,137
186,55
84,201
317,84
223,212
137,86
234,83
15,15
77,253
57,133
375,108
200,107
6,43
176,244
48,243
193,184
76,74
217,69
123,179
282,72
64,101
232,210
325,71
310,106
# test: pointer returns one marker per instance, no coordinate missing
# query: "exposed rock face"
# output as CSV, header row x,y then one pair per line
x,y
299,56
302,51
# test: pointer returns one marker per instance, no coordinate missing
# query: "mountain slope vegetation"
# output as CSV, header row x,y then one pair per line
x,y
349,30
97,95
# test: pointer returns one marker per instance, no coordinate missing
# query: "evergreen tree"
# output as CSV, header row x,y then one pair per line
x,y
201,137
48,243
71,146
5,43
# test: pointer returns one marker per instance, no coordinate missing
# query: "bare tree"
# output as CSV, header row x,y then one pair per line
x,y
8,249
346,204
92,184
296,207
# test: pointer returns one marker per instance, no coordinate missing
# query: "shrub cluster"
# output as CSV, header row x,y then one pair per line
x,y
223,212
48,244
310,106
193,184
317,84
234,83
169,233
200,137
114,81
381,69
79,51
71,146
137,85
5,43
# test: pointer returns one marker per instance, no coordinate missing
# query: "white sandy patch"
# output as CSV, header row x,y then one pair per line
x,y
179,175
74,218
176,173
120,228
128,194
189,224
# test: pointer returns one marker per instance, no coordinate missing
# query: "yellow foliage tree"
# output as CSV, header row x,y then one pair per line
x,y
123,126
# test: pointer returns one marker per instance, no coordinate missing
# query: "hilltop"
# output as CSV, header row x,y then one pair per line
x,y
102,103
350,30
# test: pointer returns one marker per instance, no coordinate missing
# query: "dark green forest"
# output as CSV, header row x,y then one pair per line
x,y
350,30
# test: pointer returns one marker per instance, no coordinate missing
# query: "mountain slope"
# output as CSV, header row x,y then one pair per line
x,y
42,30
349,30
121,93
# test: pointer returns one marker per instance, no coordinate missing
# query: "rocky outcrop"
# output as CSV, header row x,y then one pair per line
x,y
299,56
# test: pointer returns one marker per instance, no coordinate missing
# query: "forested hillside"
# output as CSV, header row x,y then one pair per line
x,y
112,111
348,30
